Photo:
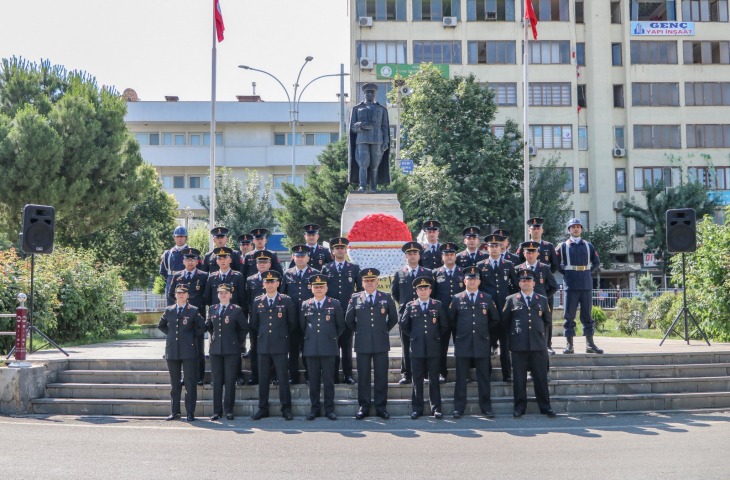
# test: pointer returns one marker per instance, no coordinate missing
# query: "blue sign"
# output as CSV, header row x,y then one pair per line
x,y
406,166
722,197
662,28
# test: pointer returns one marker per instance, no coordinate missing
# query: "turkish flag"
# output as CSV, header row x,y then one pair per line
x,y
219,27
530,14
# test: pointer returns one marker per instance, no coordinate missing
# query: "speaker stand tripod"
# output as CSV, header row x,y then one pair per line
x,y
32,328
686,313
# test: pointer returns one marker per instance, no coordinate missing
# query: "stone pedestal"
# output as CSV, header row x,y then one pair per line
x,y
359,205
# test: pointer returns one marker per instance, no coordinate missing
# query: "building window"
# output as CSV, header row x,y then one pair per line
x,y
279,139
166,181
615,12
178,182
720,178
491,52
382,51
490,10
708,136
551,10
279,180
704,10
655,94
549,94
381,96
656,136
569,181
437,52
578,11
618,96
505,94
706,52
621,222
218,139
618,137
654,53
289,139
195,140
580,54
435,10
583,180
194,182
206,181
582,102
706,94
582,138
645,10
334,137
552,137
620,180
176,139
653,175
550,52
616,55
390,10
584,220
147,138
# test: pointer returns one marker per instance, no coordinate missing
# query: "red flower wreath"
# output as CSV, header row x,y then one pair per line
x,y
379,227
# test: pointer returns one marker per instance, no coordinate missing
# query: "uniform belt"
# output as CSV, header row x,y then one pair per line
x,y
578,268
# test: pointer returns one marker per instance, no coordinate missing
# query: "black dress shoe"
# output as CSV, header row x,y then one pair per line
x,y
442,379
508,379
253,381
360,415
438,415
415,415
311,416
260,414
182,381
240,381
488,414
404,381
550,413
332,416
457,414
191,418
247,354
200,382
287,416
518,414
469,380
349,381
229,416
215,417
174,416
551,351
275,382
384,415
529,377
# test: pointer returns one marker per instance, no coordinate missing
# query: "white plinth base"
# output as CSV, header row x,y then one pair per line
x,y
360,205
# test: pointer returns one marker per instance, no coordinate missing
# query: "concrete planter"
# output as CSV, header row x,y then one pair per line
x,y
18,386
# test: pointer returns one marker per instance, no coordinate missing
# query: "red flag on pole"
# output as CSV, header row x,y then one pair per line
x,y
529,14
219,27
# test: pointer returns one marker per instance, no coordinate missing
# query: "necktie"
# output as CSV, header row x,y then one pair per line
x,y
413,273
494,264
472,256
433,249
223,277
423,307
220,309
319,305
179,308
532,267
449,273
271,302
471,297
339,268
527,301
301,274
372,302
187,276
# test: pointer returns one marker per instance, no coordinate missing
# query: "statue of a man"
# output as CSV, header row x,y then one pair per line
x,y
369,142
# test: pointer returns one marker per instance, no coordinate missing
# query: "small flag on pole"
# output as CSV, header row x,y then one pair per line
x,y
530,15
219,27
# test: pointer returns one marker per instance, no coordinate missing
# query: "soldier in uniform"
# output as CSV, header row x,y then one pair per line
x,y
274,317
225,274
499,279
403,291
319,256
227,327
296,285
255,288
343,280
172,261
418,317
504,247
322,322
183,325
259,242
547,250
431,256
371,314
220,238
195,280
472,314
545,283
245,245
449,282
472,255
369,142
527,343
578,259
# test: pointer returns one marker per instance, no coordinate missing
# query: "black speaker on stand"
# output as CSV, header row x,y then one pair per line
x,y
682,238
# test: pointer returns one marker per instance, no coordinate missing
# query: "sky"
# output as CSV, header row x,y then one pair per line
x,y
163,47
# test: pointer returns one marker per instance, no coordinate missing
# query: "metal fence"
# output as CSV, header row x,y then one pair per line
x,y
139,300
607,298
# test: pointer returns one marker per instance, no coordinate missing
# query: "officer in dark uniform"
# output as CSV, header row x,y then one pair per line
x,y
274,317
245,245
227,327
343,280
431,255
195,280
547,250
220,238
449,282
403,291
472,255
424,322
472,314
504,247
172,261
225,274
183,325
545,283
322,322
578,259
499,279
296,285
255,288
259,242
319,256
371,314
525,314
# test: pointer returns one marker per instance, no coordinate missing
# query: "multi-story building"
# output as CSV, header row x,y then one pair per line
x,y
616,99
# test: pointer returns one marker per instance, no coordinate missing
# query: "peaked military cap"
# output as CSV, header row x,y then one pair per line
x,y
311,228
300,250
339,242
448,247
431,225
527,274
370,273
472,272
530,246
245,238
471,232
502,232
270,276
419,282
493,239
181,288
318,280
190,252
535,222
219,232
259,232
369,86
262,255
412,247
223,251
225,287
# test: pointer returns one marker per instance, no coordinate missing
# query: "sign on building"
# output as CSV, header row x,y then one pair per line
x,y
649,260
406,166
662,28
390,70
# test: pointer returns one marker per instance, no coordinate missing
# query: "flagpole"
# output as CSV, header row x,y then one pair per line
x,y
211,220
526,123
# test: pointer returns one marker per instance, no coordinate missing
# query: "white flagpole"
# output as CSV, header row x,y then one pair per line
x,y
211,219
526,128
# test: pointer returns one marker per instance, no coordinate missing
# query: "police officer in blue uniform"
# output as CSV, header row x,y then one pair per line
x,y
172,260
220,239
449,282
259,242
578,259
319,256
431,255
472,255
504,247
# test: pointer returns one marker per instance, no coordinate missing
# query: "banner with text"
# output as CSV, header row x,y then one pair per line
x,y
662,28
390,70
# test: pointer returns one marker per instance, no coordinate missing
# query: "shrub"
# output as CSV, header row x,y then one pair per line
x,y
674,308
659,308
629,315
159,286
130,318
599,316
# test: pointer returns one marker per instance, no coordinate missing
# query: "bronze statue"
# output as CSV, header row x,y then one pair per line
x,y
369,142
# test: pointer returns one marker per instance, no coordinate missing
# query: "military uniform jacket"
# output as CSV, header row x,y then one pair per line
x,y
171,261
448,286
527,326
227,329
546,255
182,332
273,324
298,288
249,264
210,264
318,258
472,322
464,260
322,327
498,283
545,283
402,287
238,294
425,328
371,322
196,288
511,257
254,288
429,259
581,254
342,285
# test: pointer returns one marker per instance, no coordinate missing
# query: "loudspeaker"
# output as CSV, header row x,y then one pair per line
x,y
681,230
38,229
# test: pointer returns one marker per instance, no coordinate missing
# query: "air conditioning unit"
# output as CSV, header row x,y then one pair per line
x,y
533,151
366,22
366,63
449,22
619,152
405,90
618,205
491,16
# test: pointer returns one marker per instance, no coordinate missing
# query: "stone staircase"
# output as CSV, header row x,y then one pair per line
x,y
580,383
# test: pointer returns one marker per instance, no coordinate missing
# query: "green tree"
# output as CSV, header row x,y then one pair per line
x,y
605,239
63,142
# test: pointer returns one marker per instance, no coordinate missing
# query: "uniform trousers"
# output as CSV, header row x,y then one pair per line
x,y
379,362
501,334
191,389
321,371
550,317
421,366
344,342
573,298
537,363
296,342
483,372
223,368
201,358
405,359
368,156
279,362
253,336
444,366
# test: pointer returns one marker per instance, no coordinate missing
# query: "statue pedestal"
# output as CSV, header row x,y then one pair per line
x,y
359,205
